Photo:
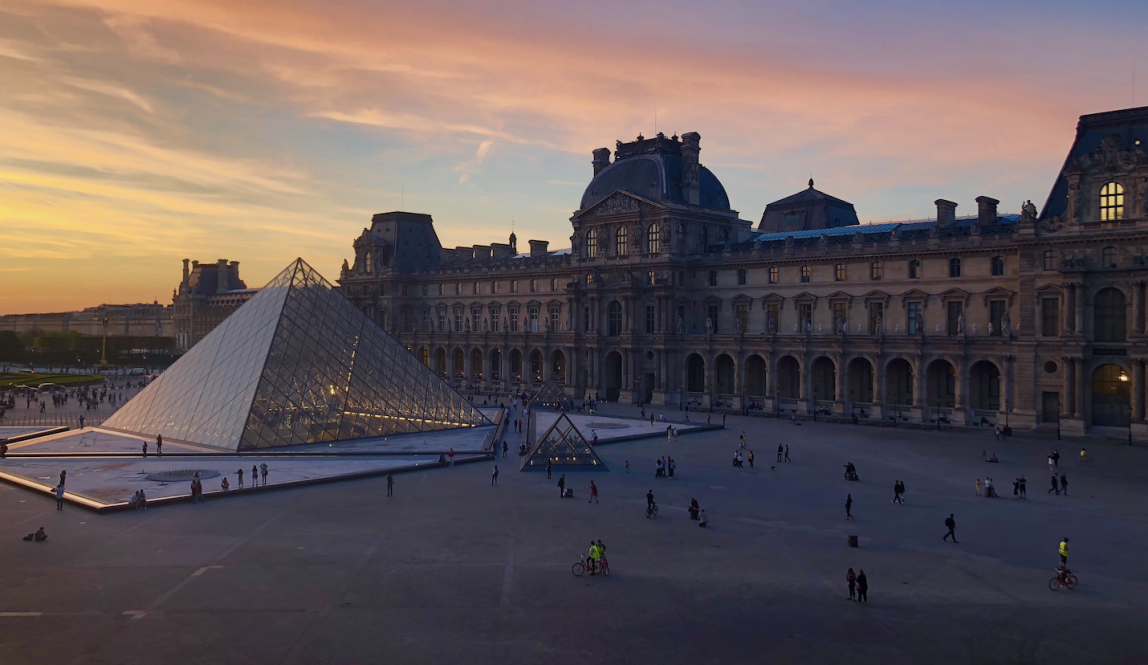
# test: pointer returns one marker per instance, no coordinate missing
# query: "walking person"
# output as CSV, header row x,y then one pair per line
x,y
390,485
787,452
505,448
1050,465
254,476
780,451
59,491
550,469
593,493
978,491
896,492
263,472
159,445
673,466
240,474
145,448
1055,485
848,506
750,459
494,476
1055,458
451,456
851,578
862,587
951,524
63,476
1064,483
562,486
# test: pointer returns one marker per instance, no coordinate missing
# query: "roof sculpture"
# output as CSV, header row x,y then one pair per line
x,y
296,364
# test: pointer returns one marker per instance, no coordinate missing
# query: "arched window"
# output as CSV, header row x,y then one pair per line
x,y
620,244
1111,202
998,265
1109,322
954,267
591,244
614,318
1108,257
1048,260
653,239
725,235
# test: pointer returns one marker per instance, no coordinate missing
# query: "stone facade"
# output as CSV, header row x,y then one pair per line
x,y
668,297
207,294
137,320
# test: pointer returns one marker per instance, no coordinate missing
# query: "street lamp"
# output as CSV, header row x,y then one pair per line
x,y
1124,378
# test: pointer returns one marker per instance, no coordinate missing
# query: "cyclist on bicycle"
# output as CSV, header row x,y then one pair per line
x,y
1084,457
602,553
650,499
1064,552
595,554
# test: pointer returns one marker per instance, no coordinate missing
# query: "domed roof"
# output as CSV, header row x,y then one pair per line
x,y
655,174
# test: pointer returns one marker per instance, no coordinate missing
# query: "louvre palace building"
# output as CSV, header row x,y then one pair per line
x,y
667,296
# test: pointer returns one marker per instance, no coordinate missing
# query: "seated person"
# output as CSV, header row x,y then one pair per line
x,y
225,485
40,536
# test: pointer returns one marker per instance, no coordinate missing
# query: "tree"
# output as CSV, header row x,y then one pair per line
x,y
11,348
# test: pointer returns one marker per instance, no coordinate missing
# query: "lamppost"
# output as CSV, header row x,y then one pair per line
x,y
1124,378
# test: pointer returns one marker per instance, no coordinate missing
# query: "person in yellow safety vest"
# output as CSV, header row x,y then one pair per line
x,y
1064,552
595,554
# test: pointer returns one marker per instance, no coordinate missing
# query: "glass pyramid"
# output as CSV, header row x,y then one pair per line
x,y
296,364
563,446
551,395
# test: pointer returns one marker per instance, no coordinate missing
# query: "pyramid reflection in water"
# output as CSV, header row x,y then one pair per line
x,y
296,364
564,447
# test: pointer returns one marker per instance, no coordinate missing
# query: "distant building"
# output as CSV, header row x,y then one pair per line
x,y
208,294
1032,320
138,320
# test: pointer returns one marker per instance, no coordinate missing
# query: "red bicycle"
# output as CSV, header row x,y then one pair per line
x,y
583,565
1064,579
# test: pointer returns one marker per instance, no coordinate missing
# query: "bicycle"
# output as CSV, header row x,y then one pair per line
x,y
582,566
1068,581
651,510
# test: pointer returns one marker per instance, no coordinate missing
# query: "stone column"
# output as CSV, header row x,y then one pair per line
x,y
1079,306
842,387
1078,388
1067,402
1137,389
920,389
1006,385
1137,308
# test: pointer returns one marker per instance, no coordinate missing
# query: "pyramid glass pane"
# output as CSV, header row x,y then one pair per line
x,y
551,396
298,363
562,445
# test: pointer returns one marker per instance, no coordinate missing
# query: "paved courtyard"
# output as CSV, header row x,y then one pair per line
x,y
452,570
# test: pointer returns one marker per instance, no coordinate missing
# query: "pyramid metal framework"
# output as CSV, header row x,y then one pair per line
x,y
563,446
551,395
296,364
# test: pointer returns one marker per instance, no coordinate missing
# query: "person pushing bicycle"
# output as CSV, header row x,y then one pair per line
x,y
595,556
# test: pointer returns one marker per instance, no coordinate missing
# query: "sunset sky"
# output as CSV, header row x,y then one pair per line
x,y
134,133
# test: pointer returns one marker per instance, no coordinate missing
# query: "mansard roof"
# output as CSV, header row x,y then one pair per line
x,y
652,168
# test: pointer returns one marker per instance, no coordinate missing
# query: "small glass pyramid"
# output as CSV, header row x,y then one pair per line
x,y
563,446
296,364
551,396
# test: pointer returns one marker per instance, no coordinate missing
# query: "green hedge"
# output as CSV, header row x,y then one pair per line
x,y
33,380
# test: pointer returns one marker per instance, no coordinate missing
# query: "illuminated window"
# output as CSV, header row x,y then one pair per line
x,y
1111,202
998,265
494,287
773,275
806,273
553,283
1048,261
591,244
653,242
620,243
839,272
876,270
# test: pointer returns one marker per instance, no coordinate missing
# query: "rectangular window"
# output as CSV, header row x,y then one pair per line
x,y
914,269
426,289
914,316
876,314
771,317
953,310
586,319
681,316
1050,317
442,320
458,288
773,275
513,312
741,277
805,316
954,267
403,290
426,319
838,315
650,278
533,286
514,286
554,284
458,320
476,291
743,317
681,278
554,319
713,278
533,319
441,289
712,313
651,319
876,270
839,272
494,287
996,313
806,273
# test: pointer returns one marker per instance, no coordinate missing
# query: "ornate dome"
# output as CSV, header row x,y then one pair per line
x,y
652,169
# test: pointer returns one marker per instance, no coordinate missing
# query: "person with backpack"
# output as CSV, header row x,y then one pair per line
x,y
950,524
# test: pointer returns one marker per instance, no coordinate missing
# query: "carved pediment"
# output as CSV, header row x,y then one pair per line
x,y
914,295
998,293
1111,157
877,296
805,297
619,203
956,294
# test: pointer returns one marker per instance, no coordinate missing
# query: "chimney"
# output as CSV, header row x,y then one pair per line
x,y
185,271
946,213
690,169
601,159
538,247
221,276
986,211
